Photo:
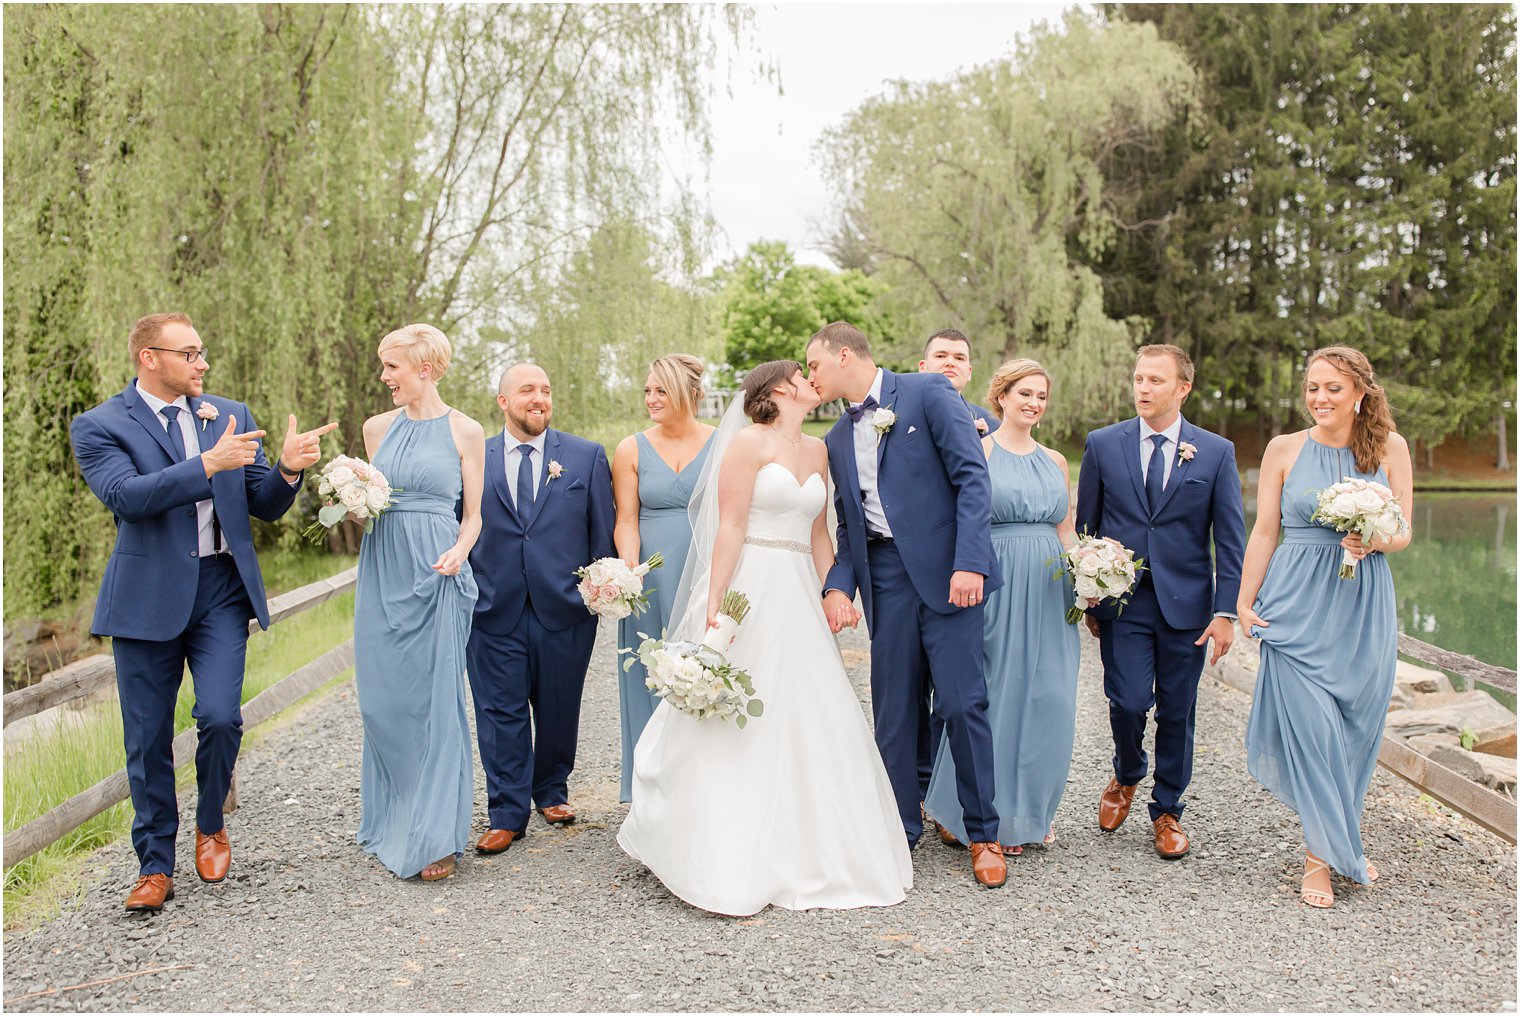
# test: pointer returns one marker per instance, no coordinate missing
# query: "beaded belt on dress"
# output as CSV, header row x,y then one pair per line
x,y
775,543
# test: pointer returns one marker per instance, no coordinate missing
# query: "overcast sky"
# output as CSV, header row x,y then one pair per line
x,y
765,182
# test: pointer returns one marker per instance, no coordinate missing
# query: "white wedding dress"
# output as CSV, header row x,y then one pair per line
x,y
795,810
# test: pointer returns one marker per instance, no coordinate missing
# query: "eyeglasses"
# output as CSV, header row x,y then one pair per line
x,y
190,355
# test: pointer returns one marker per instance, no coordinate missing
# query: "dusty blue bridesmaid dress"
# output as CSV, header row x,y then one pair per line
x,y
1328,658
410,629
1031,656
664,527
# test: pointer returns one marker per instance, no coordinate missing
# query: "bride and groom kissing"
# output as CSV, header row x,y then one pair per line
x,y
802,809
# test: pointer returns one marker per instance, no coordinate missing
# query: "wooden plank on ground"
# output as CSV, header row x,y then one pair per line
x,y
1464,666
25,841
1492,811
308,596
67,683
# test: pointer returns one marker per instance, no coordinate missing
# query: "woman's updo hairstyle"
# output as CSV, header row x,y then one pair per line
x,y
759,405
680,374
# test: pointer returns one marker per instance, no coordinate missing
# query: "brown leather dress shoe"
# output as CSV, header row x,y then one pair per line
x,y
1113,806
150,893
496,840
558,814
947,837
1171,841
212,855
987,864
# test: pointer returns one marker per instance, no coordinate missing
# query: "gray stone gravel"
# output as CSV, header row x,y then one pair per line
x,y
564,921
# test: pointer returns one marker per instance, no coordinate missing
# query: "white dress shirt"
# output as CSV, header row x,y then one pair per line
x,y
512,456
866,440
1169,449
187,428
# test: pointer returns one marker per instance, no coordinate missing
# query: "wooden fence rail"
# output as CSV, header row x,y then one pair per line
x,y
90,675
1463,666
95,673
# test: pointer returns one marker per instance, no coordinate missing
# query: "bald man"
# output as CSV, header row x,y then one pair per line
x,y
546,510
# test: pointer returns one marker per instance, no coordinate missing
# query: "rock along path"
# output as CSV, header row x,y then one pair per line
x,y
565,921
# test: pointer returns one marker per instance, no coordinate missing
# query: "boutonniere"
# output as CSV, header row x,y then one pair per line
x,y
981,425
1185,452
555,469
207,412
882,421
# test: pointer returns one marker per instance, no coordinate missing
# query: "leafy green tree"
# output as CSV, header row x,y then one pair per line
x,y
981,201
771,304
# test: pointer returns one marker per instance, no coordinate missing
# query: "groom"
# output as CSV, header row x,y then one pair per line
x,y
915,538
1161,487
546,510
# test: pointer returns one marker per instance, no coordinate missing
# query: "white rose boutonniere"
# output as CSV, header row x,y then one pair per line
x,y
555,469
1185,452
882,421
207,412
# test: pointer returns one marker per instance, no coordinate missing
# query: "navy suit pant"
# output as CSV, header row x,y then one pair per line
x,y
148,677
914,648
527,689
1147,663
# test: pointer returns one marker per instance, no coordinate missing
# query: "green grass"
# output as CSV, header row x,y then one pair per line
x,y
45,770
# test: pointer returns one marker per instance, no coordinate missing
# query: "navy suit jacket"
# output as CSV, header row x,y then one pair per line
x,y
932,477
1201,499
569,526
124,452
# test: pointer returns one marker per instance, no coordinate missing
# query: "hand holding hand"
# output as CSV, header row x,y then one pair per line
x,y
301,450
966,588
1092,624
449,562
232,450
839,611
1222,632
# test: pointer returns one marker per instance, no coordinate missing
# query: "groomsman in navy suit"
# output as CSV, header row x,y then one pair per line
x,y
547,510
1163,488
947,352
181,472
915,539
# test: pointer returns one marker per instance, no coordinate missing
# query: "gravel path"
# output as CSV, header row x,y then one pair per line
x,y
566,921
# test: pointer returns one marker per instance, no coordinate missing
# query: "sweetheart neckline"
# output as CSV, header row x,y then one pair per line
x,y
800,483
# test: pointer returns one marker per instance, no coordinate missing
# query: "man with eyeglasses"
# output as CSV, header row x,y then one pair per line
x,y
182,473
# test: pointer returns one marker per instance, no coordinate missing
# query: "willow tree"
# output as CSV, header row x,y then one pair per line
x,y
981,202
302,179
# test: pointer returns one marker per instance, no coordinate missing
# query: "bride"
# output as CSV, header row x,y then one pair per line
x,y
794,810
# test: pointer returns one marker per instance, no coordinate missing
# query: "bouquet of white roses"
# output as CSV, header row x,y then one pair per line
x,y
1359,506
696,677
610,588
349,485
1100,568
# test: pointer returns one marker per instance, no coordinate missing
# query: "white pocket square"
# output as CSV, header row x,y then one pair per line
x,y
911,429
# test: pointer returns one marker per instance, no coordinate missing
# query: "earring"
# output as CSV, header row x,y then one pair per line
x,y
1358,407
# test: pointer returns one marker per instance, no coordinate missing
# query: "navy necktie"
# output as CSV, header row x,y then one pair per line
x,y
1155,473
856,412
176,437
524,479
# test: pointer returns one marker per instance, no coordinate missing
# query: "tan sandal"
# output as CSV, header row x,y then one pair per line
x,y
1372,873
1320,899
438,870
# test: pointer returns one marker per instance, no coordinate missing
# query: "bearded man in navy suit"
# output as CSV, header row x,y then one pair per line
x,y
1164,489
915,540
546,510
181,472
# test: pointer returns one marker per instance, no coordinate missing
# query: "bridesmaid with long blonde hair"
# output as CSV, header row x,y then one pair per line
x,y
652,477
